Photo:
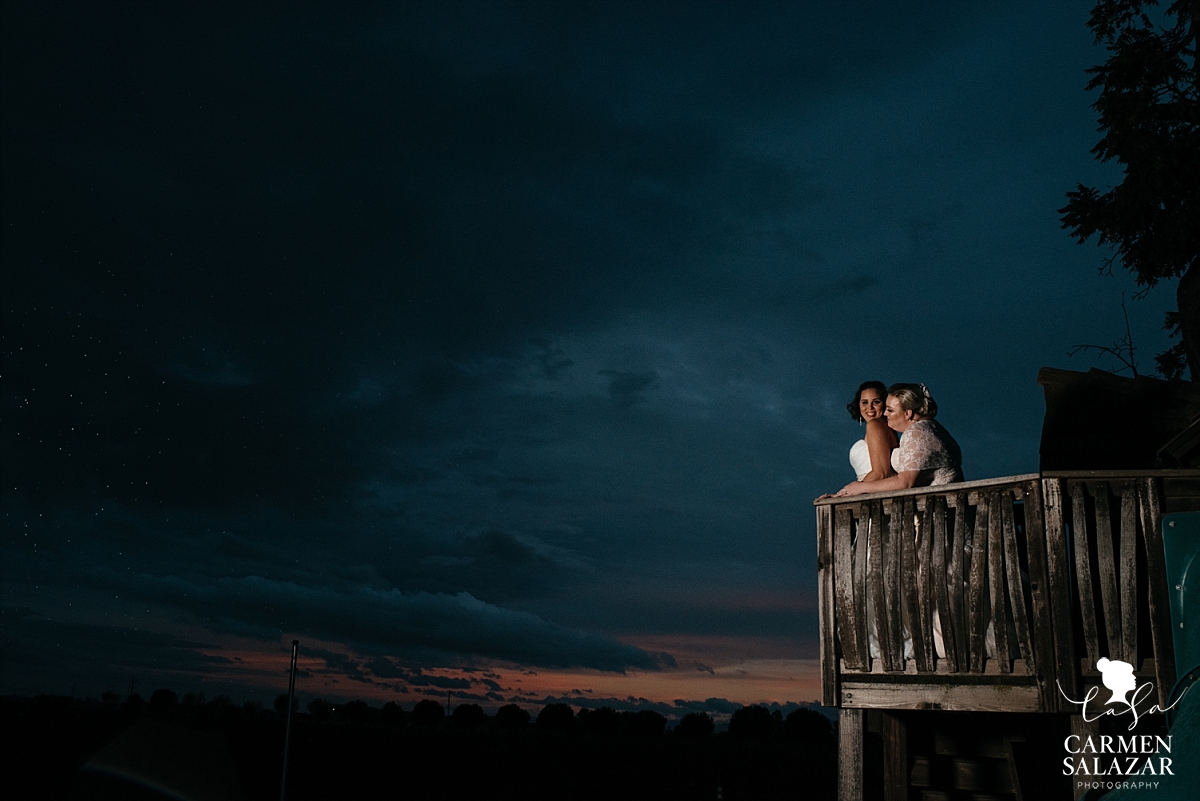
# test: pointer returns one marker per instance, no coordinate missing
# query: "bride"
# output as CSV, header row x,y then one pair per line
x,y
870,457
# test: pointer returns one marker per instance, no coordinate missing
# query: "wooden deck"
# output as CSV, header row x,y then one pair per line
x,y
1063,567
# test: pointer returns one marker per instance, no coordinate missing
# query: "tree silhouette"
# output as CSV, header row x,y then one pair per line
x,y
392,714
603,722
281,703
644,724
222,707
468,716
752,723
511,717
1149,108
428,713
319,708
556,718
807,725
355,712
163,698
695,726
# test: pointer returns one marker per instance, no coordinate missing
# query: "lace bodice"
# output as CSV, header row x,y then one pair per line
x,y
928,447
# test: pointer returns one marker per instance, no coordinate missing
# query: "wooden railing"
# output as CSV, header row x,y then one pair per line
x,y
985,595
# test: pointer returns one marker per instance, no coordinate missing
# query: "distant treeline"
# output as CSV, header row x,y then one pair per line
x,y
69,748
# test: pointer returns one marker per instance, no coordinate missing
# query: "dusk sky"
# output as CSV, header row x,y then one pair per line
x,y
501,348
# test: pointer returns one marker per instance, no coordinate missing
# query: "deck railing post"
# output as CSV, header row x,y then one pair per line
x,y
851,731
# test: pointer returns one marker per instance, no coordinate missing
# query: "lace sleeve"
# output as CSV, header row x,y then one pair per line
x,y
920,449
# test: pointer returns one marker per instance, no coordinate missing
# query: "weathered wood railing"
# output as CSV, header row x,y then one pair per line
x,y
1059,567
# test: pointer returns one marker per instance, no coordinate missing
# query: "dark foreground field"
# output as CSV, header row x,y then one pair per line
x,y
63,748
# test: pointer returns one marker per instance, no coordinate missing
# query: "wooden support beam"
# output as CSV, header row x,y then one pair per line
x,y
924,552
1040,595
1156,575
895,758
875,574
1083,571
996,582
943,581
892,541
843,588
1012,572
829,671
850,754
1128,572
859,579
912,608
959,569
1058,569
976,598
1106,564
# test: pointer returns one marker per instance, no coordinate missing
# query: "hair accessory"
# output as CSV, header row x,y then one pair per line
x,y
925,389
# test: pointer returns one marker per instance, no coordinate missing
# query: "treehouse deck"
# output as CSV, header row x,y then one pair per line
x,y
988,596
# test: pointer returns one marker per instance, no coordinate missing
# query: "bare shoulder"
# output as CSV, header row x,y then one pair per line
x,y
879,430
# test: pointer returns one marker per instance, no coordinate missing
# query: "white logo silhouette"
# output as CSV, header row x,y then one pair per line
x,y
1118,677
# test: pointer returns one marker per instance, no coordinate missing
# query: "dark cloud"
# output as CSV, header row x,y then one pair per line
x,y
377,619
42,654
504,331
627,388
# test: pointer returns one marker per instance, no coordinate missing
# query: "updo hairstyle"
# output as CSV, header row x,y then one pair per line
x,y
852,406
915,398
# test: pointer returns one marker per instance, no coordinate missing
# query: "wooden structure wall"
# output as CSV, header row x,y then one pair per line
x,y
1063,567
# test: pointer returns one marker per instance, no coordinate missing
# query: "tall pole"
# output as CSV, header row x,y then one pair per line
x,y
287,735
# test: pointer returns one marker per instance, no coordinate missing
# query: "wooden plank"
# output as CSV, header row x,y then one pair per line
x,y
1083,571
912,610
977,592
925,580
996,582
875,574
942,581
829,683
1045,666
859,577
991,670
850,754
1127,570
893,537
941,488
1156,579
952,697
1012,572
843,588
960,548
1101,475
895,757
1004,481
1180,494
1058,567
1106,565
1010,763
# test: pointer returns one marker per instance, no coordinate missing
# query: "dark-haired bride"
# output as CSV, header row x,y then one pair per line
x,y
871,456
